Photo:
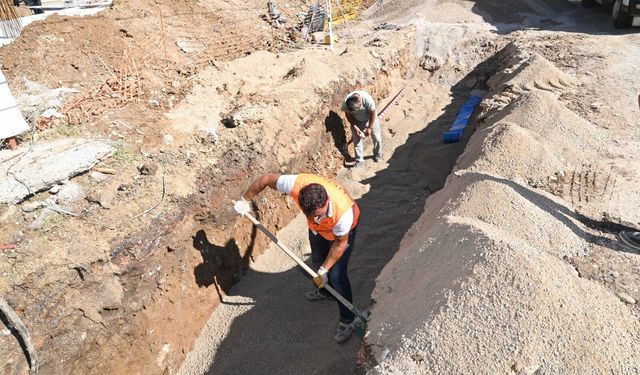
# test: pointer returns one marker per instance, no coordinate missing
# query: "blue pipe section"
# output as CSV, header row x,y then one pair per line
x,y
455,133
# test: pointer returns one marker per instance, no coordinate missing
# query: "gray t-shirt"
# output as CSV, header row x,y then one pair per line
x,y
368,105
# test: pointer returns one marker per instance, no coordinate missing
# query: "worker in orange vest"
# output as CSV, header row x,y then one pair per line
x,y
332,217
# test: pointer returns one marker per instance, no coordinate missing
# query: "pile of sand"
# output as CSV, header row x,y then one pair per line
x,y
480,283
523,109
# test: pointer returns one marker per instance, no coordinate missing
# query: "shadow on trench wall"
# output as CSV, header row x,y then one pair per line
x,y
333,124
222,266
282,333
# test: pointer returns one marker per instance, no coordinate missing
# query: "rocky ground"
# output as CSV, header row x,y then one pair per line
x,y
499,248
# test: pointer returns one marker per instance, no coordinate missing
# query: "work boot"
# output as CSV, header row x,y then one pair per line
x,y
343,332
377,158
316,295
630,238
358,164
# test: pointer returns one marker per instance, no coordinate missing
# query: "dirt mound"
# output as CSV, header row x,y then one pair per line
x,y
485,272
558,139
541,112
493,285
522,107
535,72
495,143
502,309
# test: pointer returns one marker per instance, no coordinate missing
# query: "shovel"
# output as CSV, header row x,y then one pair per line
x,y
360,323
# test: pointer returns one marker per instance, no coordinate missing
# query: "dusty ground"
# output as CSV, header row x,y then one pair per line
x,y
114,293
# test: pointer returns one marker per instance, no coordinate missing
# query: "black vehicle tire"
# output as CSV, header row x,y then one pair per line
x,y
621,19
589,3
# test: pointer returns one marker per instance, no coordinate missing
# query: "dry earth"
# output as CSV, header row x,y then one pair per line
x,y
507,265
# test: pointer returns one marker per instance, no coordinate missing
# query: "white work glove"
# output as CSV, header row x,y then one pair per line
x,y
242,206
322,279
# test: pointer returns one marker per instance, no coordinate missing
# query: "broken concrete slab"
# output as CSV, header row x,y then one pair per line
x,y
46,164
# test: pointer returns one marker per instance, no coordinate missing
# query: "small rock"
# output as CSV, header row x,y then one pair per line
x,y
106,200
98,177
124,187
91,313
42,219
153,103
31,206
375,54
624,297
103,198
71,193
525,368
249,114
55,189
93,197
148,169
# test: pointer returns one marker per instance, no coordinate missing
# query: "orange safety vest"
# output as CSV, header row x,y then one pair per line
x,y
339,199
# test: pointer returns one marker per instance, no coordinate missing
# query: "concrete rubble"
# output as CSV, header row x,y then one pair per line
x,y
33,169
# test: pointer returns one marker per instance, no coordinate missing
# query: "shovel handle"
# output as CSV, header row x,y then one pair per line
x,y
302,264
273,238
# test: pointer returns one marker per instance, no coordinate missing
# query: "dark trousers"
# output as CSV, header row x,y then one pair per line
x,y
338,277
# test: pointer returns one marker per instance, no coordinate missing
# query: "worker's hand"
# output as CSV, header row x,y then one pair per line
x,y
322,279
367,131
242,206
360,133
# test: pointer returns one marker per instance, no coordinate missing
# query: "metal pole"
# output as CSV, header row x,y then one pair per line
x,y
330,24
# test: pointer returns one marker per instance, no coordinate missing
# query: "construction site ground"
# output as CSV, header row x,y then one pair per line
x,y
496,254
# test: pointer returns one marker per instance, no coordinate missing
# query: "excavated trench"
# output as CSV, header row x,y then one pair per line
x,y
217,247
203,240
177,270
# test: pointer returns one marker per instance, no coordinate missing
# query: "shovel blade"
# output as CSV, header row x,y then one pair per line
x,y
359,327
